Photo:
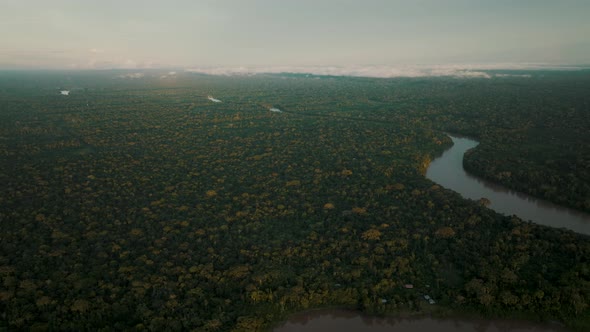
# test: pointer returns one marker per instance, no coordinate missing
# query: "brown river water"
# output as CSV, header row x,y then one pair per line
x,y
349,321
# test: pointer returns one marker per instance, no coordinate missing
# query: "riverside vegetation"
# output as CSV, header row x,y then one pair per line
x,y
140,204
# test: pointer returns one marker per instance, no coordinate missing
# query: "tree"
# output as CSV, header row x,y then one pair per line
x,y
371,234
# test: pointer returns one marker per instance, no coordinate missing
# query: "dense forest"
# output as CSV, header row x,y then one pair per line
x,y
135,203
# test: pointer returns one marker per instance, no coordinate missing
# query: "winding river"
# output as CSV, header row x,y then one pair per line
x,y
448,172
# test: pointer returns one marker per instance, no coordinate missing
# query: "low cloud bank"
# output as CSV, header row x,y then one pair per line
x,y
170,74
459,71
132,75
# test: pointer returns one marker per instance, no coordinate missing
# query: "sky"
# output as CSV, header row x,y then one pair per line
x,y
105,34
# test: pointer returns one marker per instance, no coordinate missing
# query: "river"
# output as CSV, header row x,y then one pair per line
x,y
448,172
349,321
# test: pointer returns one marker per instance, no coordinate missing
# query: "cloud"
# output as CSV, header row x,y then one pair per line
x,y
170,73
132,75
458,71
513,75
355,71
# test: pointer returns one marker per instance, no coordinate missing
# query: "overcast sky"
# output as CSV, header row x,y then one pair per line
x,y
200,33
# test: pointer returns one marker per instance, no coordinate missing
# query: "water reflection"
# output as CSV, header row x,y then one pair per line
x,y
448,171
343,320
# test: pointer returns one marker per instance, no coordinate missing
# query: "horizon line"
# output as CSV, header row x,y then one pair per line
x,y
369,71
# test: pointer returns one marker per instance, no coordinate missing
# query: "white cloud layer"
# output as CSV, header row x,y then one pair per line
x,y
132,75
170,74
459,71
